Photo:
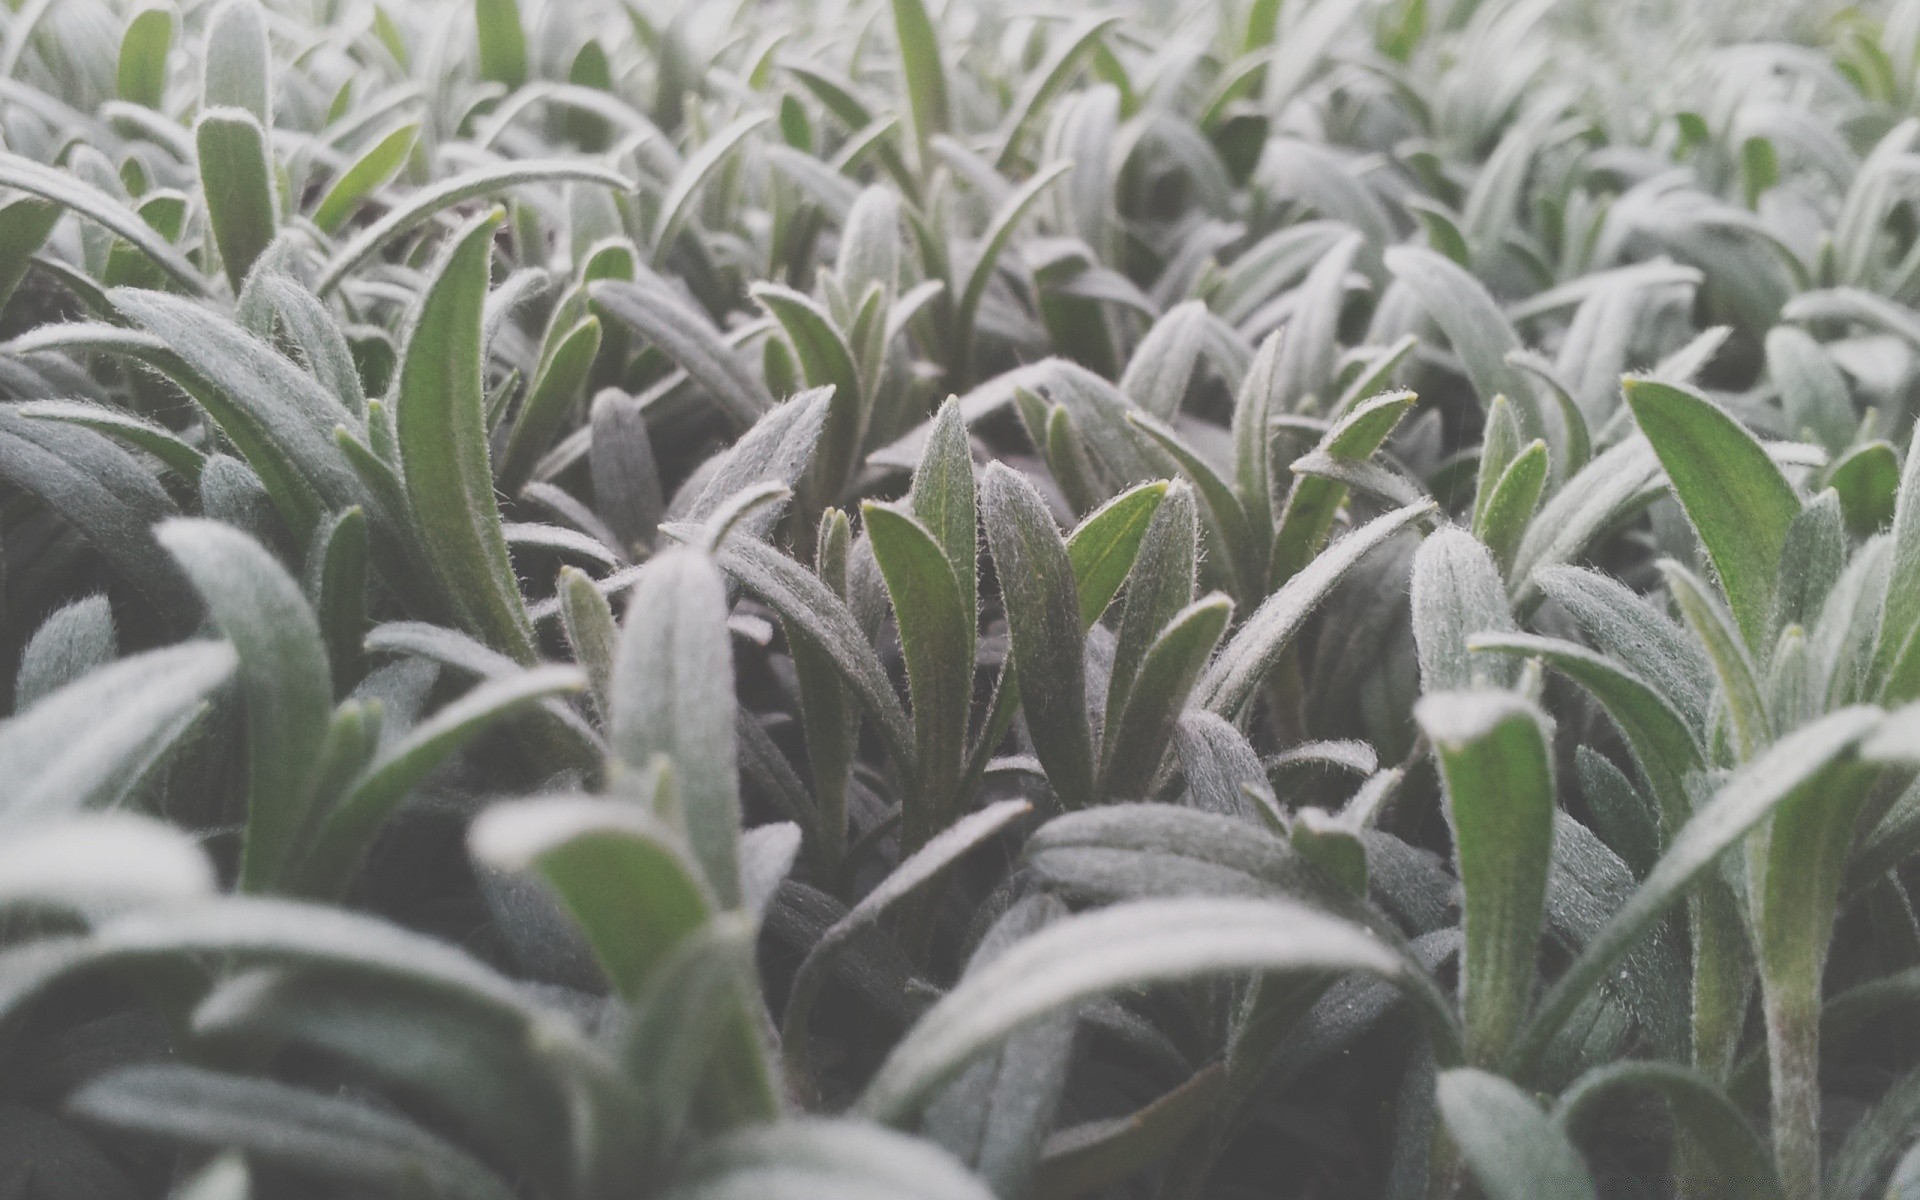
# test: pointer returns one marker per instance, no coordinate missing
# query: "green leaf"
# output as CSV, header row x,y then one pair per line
x,y
142,71
1479,332
77,638
311,1133
284,676
628,879
1457,594
946,501
676,206
1896,649
71,192
422,206
1511,504
999,231
238,61
25,222
1131,750
813,1157
1313,501
555,394
672,695
349,827
1733,494
1625,625
1799,764
1239,667
1733,666
1513,1150
1163,582
98,863
919,870
1665,748
502,41
1495,758
441,417
925,74
1046,81
1716,1130
1599,497
690,340
1131,945
1868,480
1043,608
806,604
236,178
87,744
936,641
373,170
1102,548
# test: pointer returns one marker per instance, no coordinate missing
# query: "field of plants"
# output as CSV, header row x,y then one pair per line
x,y
899,600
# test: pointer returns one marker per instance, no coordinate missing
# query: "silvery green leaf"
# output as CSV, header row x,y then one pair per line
x,y
76,639
1457,593
1513,1150
671,694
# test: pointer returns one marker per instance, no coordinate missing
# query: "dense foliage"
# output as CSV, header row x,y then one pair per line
x,y
840,599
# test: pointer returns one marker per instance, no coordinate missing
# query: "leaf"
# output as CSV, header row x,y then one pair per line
x,y
77,638
937,643
946,501
502,41
1245,660
1896,649
995,1116
25,222
624,472
348,828
1666,749
555,391
86,744
808,605
441,418
1734,495
1102,548
689,339
238,62
925,74
1479,332
1163,582
676,206
1716,1131
104,493
71,192
1085,1158
1494,755
1625,625
1000,230
1513,1150
236,180
1796,765
1457,593
628,880
672,695
1128,945
312,1133
376,168
1133,747
1313,501
1733,666
423,205
284,676
98,863
1600,496
812,1157
1511,504
917,871
1043,611
141,74
1046,81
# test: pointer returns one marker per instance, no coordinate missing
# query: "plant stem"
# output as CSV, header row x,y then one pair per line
x,y
1793,1052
